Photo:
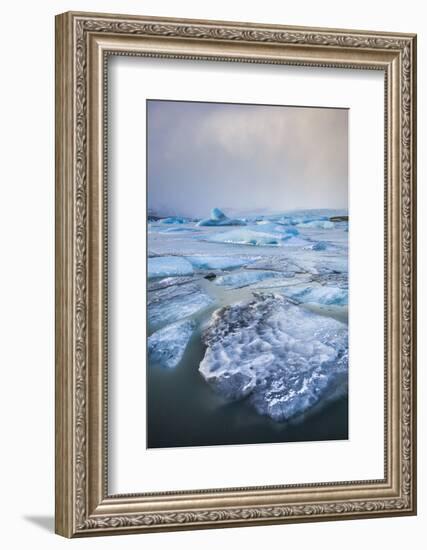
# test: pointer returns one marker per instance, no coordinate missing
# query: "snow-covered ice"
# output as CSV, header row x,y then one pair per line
x,y
167,345
279,356
168,266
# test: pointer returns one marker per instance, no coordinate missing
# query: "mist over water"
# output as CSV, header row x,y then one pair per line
x,y
245,157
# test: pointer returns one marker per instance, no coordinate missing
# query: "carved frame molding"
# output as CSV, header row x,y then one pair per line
x,y
83,43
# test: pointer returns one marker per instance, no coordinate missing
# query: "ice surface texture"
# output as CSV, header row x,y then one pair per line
x,y
257,236
316,294
176,302
282,358
173,220
167,345
245,278
317,224
168,266
217,262
219,218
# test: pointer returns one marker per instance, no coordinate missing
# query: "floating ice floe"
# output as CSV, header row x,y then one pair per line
x,y
218,218
171,291
319,295
217,262
178,229
282,358
157,284
182,302
245,278
168,266
276,263
173,220
256,237
166,346
281,230
317,224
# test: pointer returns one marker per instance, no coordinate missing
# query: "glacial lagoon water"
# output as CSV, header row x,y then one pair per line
x,y
302,261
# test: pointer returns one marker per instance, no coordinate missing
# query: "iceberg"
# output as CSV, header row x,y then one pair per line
x,y
283,359
168,266
218,262
175,306
245,278
218,218
166,346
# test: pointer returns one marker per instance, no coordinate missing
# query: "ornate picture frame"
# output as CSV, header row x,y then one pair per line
x,y
84,42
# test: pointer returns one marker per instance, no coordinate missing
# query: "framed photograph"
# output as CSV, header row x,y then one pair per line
x,y
235,274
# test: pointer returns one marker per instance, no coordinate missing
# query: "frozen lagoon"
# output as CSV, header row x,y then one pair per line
x,y
306,265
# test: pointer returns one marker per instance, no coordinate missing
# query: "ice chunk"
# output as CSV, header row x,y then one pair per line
x,y
276,263
173,219
282,230
282,358
171,291
178,229
257,237
180,305
168,266
317,224
245,236
218,262
167,345
245,278
156,284
219,218
316,294
318,246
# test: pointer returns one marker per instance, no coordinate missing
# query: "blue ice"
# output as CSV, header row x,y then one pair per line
x,y
182,302
320,295
256,236
168,266
167,345
217,262
173,220
245,278
218,218
317,224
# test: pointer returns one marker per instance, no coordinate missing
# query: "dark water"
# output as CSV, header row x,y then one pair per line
x,y
182,410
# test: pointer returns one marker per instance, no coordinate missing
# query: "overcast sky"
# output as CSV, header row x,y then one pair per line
x,y
245,157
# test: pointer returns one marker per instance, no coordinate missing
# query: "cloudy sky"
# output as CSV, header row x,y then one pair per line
x,y
245,157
